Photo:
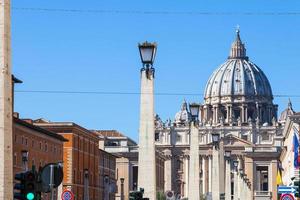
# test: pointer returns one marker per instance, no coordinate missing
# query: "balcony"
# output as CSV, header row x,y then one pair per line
x,y
262,195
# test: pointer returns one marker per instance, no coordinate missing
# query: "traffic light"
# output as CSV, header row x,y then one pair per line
x,y
297,184
137,195
30,186
20,185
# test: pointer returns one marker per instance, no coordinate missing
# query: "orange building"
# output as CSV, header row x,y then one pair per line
x,y
33,145
87,169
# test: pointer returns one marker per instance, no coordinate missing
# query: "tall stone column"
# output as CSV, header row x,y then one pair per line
x,y
186,174
6,145
243,113
203,175
228,180
168,172
209,173
249,170
194,179
221,167
215,174
147,167
236,186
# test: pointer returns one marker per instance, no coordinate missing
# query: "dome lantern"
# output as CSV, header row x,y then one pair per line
x,y
238,49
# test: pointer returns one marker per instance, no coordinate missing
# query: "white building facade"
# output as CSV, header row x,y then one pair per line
x,y
238,105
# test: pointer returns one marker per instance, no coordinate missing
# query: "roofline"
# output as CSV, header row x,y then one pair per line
x,y
65,124
116,156
39,129
117,137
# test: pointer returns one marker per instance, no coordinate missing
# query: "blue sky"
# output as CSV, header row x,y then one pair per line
x,y
82,51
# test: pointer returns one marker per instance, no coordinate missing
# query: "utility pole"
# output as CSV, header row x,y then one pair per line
x,y
6,147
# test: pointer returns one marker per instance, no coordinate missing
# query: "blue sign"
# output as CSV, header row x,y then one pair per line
x,y
286,189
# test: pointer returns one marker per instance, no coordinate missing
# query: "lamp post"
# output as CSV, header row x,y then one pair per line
x,y
194,177
236,180
86,185
228,175
106,187
25,159
215,167
147,166
122,188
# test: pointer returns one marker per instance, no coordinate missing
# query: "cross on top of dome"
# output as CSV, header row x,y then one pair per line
x,y
238,50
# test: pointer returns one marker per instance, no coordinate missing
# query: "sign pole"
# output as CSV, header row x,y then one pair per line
x,y
51,182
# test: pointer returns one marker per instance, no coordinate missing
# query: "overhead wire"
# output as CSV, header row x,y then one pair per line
x,y
128,93
154,12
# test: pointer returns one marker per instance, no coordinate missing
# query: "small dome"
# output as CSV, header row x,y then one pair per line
x,y
287,112
238,77
183,115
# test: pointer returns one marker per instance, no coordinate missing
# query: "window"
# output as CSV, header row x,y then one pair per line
x,y
244,137
16,138
40,145
265,136
15,159
26,141
22,140
178,138
46,147
80,177
74,176
156,137
262,178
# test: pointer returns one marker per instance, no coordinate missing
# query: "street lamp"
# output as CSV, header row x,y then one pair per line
x,y
194,176
227,155
122,188
147,53
215,139
235,164
242,172
194,109
25,159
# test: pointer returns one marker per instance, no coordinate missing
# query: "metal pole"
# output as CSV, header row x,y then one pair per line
x,y
51,182
122,188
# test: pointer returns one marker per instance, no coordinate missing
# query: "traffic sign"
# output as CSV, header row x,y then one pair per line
x,y
286,189
46,176
287,197
67,195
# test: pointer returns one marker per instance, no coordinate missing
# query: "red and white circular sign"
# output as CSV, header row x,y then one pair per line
x,y
287,197
67,195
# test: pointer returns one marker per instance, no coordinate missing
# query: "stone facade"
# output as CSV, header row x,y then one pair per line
x,y
292,126
126,151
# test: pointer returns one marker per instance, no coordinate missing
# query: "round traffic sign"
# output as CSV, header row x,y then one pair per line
x,y
67,195
287,197
57,176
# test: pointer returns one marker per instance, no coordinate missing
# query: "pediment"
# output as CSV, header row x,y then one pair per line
x,y
231,140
